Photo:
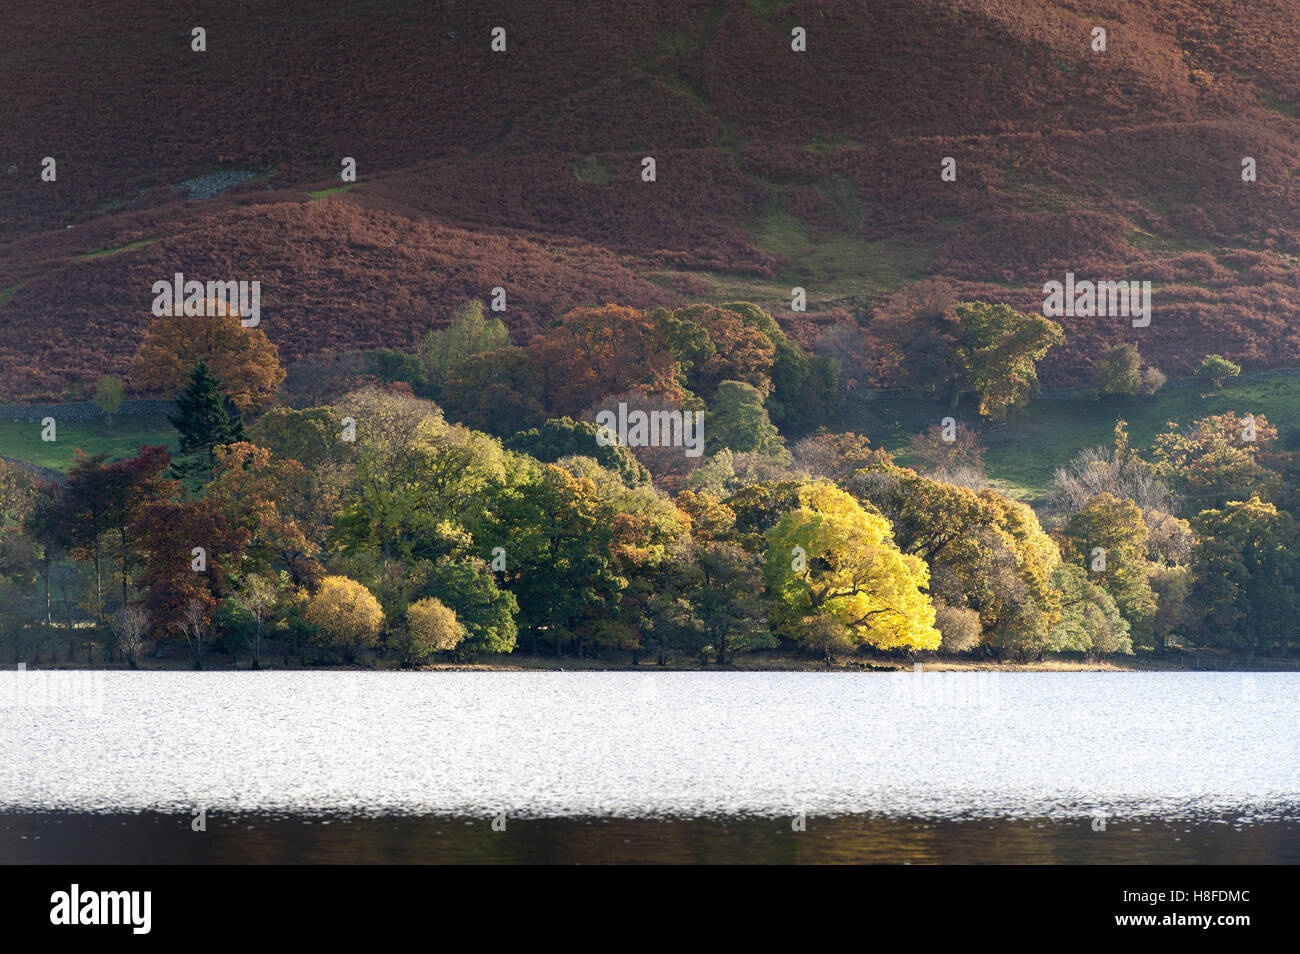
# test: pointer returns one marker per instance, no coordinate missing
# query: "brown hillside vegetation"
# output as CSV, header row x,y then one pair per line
x,y
522,169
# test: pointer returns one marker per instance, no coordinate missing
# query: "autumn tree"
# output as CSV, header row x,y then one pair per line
x,y
131,485
1218,459
803,387
715,344
708,519
347,617
252,492
499,392
589,353
431,627
189,554
949,448
831,558
838,456
104,498
87,516
985,551
243,358
913,339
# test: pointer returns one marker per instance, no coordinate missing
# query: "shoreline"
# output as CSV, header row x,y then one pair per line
x,y
757,663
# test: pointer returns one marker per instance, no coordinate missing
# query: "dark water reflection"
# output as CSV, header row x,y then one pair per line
x,y
149,838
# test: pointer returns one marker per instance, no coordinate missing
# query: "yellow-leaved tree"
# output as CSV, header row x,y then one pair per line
x,y
833,563
346,615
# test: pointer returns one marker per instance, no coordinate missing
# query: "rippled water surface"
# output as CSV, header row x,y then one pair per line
x,y
624,745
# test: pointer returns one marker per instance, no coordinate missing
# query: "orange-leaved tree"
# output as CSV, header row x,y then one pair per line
x,y
243,359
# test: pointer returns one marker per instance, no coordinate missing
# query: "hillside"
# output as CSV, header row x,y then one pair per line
x,y
522,168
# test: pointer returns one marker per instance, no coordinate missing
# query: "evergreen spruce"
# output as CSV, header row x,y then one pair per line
x,y
205,419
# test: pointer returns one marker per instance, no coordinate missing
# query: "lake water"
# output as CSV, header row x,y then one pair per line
x,y
654,766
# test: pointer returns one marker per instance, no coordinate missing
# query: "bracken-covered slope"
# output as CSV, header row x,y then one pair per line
x,y
522,169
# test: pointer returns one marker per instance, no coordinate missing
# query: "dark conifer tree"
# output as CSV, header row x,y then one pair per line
x,y
205,420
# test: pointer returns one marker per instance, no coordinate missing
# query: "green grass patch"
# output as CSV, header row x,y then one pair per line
x,y
1276,103
838,265
319,194
674,43
121,439
767,9
672,80
7,293
589,170
114,251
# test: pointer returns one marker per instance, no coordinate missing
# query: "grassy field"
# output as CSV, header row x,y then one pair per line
x,y
123,438
1023,454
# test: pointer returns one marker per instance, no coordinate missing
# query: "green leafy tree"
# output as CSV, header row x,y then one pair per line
x,y
559,538
258,595
1090,621
471,332
999,351
416,481
108,395
499,392
565,437
1245,572
1216,369
1108,539
309,436
486,611
738,420
1119,372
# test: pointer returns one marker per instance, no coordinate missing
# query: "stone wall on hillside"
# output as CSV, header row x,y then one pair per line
x,y
84,411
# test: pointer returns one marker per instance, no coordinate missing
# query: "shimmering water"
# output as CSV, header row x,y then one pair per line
x,y
656,754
